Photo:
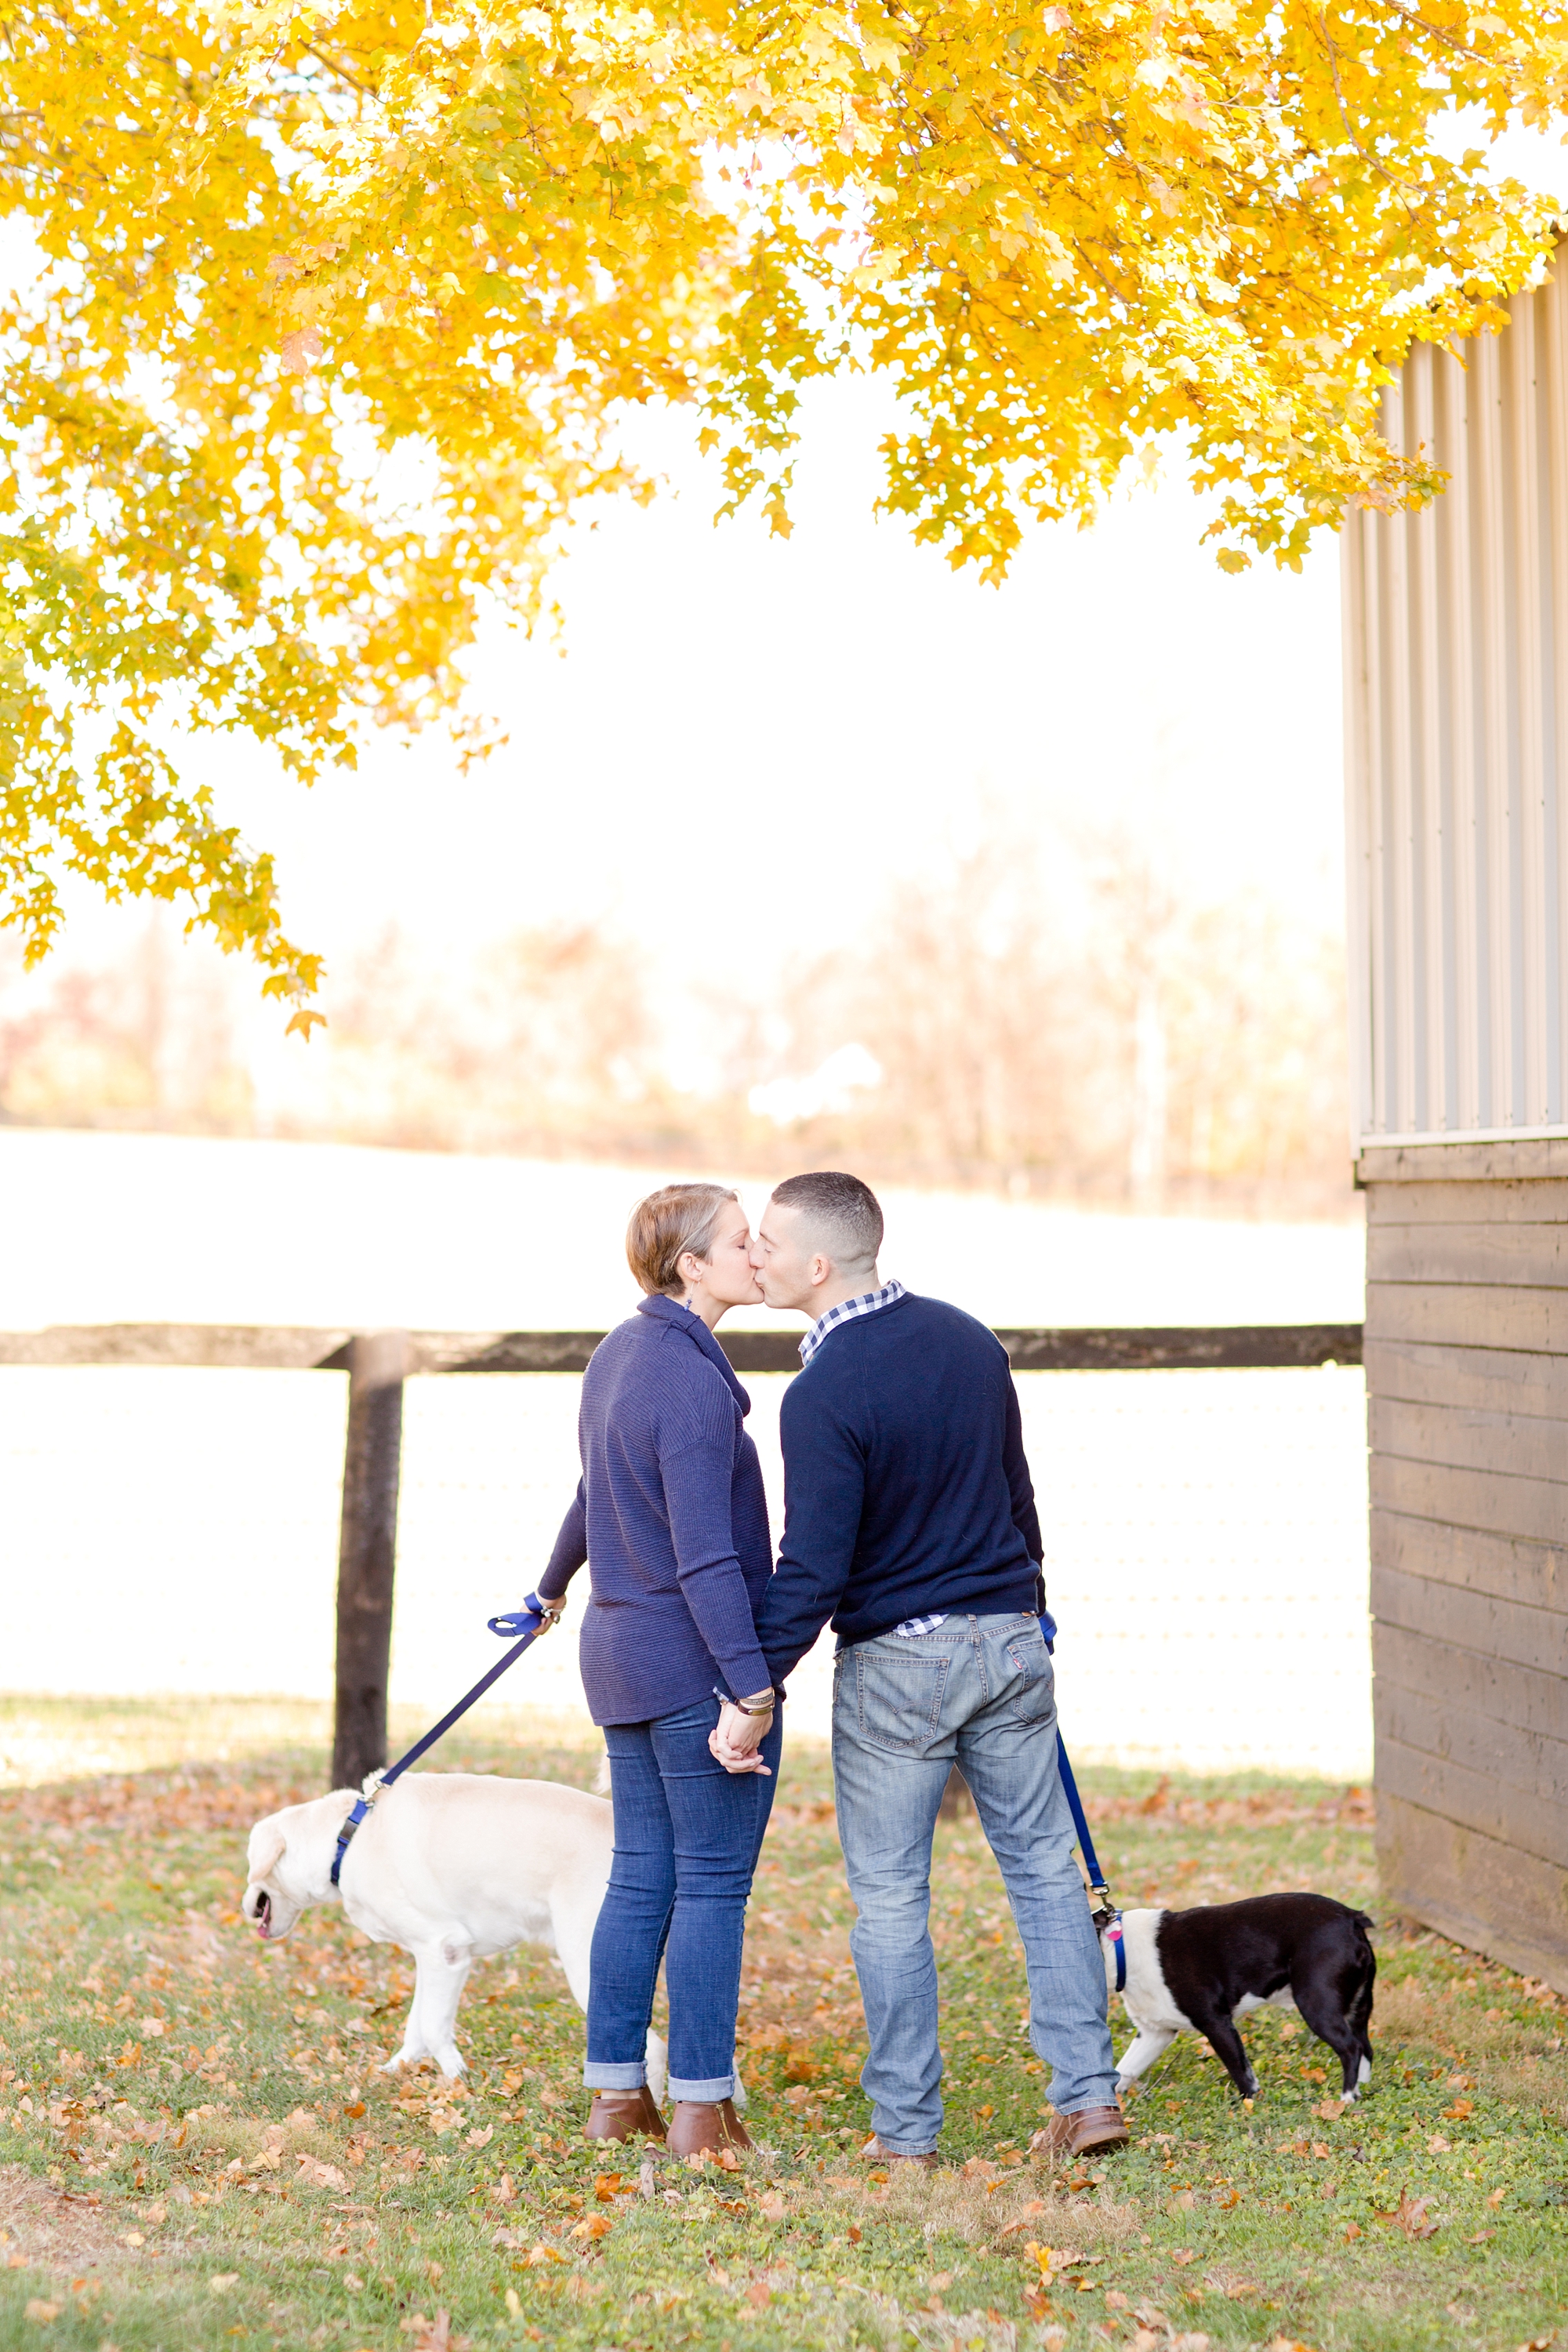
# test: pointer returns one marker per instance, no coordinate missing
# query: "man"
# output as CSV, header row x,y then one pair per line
x,y
910,1522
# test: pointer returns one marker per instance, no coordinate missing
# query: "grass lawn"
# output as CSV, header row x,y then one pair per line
x,y
196,2148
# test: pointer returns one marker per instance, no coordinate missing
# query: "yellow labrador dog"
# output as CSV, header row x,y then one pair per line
x,y
453,1866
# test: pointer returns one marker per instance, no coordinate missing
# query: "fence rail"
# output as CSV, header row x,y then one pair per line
x,y
286,1349
379,1362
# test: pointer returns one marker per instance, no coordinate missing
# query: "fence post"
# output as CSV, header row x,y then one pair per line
x,y
378,1362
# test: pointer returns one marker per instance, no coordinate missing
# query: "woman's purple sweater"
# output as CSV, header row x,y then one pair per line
x,y
671,1516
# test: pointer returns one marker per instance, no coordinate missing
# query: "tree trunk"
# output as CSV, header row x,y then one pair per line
x,y
367,1553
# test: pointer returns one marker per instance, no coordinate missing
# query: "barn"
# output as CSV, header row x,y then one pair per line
x,y
1456,637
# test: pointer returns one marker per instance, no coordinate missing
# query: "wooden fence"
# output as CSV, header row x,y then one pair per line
x,y
379,1362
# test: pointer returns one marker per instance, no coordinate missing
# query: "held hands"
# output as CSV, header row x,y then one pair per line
x,y
736,1736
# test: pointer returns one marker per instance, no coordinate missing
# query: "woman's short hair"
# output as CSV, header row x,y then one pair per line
x,y
675,1219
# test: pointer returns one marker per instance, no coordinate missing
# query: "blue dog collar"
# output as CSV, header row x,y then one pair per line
x,y
1114,1936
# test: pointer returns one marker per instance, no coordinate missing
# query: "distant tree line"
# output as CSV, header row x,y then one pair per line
x,y
1076,1027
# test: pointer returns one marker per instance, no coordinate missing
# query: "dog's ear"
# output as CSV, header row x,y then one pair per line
x,y
270,1842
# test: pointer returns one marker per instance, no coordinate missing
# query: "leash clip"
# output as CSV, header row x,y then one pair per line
x,y
359,1813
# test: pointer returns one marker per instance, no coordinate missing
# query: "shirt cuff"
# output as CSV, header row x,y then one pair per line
x,y
746,1674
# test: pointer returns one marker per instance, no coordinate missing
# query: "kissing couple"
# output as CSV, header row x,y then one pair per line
x,y
911,1527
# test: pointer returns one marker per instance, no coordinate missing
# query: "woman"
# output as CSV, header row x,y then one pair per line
x,y
672,1514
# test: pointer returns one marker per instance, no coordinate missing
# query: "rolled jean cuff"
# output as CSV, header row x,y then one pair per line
x,y
709,2090
904,2148
632,2076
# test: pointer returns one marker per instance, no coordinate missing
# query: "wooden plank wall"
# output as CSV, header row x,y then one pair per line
x,y
1466,1375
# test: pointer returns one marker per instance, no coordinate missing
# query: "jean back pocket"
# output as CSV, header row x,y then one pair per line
x,y
899,1696
1033,1694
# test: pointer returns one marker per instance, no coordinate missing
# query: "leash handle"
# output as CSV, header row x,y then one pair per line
x,y
529,1622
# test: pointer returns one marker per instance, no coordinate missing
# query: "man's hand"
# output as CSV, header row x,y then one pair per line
x,y
736,1736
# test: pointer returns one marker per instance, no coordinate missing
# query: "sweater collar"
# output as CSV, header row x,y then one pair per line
x,y
671,1310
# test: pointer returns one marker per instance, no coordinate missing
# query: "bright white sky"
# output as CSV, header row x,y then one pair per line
x,y
740,731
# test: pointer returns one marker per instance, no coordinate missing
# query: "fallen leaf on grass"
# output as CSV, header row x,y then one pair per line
x,y
1481,2236
1185,2257
433,2334
1459,2110
537,2255
1053,2260
759,2294
1035,2206
481,2139
593,2225
323,2176
1287,2344
39,2312
221,2280
1439,2146
1411,2216
1496,2196
1353,2230
772,2207
1540,2343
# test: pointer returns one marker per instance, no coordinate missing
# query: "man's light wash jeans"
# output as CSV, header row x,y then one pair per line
x,y
979,1689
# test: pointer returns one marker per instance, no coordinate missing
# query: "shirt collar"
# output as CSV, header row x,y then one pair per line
x,y
866,1304
684,1318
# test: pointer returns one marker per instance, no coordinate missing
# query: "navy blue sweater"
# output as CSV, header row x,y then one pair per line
x,y
670,1513
906,1487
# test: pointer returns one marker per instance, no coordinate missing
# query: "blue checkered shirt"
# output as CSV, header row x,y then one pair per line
x,y
866,1304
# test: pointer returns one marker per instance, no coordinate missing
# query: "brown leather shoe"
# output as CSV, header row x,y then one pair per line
x,y
875,2153
703,2126
1086,2133
625,2114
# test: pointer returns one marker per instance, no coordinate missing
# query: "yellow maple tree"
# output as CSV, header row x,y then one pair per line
x,y
338,311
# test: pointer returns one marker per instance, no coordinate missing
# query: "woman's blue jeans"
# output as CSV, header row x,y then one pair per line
x,y
688,1834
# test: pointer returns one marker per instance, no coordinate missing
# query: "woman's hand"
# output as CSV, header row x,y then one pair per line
x,y
736,1736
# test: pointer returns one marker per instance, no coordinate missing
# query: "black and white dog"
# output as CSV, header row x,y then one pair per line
x,y
1197,1972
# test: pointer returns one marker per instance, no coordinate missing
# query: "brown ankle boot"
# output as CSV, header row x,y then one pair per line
x,y
703,2126
625,2114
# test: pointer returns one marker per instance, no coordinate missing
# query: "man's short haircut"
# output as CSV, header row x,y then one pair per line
x,y
841,1213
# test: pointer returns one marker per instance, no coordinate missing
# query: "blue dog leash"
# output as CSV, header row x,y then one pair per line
x,y
1104,1910
529,1622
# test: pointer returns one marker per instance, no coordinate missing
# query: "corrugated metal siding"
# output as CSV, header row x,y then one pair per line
x,y
1457,729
